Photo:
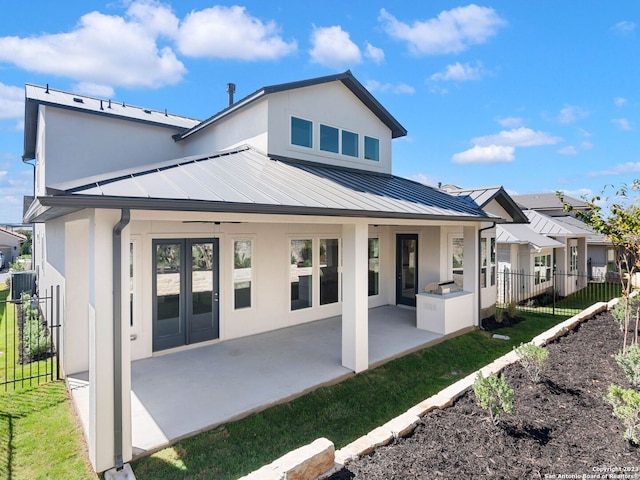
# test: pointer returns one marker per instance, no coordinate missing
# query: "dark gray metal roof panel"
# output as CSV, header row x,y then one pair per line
x,y
482,196
244,180
547,201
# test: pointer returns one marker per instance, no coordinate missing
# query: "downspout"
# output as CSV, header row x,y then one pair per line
x,y
493,225
117,336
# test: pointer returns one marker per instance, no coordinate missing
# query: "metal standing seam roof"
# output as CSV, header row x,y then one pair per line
x,y
245,180
546,225
481,196
547,201
523,234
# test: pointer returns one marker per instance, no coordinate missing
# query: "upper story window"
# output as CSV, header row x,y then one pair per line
x,y
301,132
371,149
349,143
329,139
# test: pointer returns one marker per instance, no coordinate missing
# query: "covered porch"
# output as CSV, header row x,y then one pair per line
x,y
182,393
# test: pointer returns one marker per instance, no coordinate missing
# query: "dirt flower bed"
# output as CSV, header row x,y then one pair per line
x,y
559,426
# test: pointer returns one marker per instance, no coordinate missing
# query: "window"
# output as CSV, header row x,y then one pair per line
x,y
483,264
301,132
242,273
349,143
493,261
611,260
573,260
371,149
457,260
329,139
301,274
374,266
542,269
329,271
132,281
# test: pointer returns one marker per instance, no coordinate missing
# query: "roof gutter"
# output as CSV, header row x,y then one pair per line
x,y
125,217
493,225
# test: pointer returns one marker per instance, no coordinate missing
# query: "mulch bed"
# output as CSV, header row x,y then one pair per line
x,y
560,426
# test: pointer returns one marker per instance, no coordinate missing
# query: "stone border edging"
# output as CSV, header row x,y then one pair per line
x,y
319,460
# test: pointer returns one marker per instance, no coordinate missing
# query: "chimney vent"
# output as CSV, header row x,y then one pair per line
x,y
231,89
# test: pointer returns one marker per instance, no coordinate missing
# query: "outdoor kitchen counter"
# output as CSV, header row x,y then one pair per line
x,y
444,314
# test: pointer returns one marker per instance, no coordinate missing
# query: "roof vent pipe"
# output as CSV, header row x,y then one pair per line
x,y
231,89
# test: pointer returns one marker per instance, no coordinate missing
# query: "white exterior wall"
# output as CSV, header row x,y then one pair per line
x,y
79,145
247,126
334,105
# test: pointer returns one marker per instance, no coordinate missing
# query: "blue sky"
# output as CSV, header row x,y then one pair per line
x,y
535,96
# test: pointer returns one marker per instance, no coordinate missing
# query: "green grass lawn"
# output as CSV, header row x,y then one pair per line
x,y
341,412
39,435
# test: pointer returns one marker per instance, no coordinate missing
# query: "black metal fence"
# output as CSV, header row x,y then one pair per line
x,y
555,293
29,335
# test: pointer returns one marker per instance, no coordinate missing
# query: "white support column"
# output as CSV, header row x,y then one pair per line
x,y
470,268
101,381
355,300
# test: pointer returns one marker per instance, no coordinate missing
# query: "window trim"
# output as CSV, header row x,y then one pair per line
x,y
297,145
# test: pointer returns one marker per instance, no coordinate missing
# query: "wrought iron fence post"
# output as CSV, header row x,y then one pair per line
x,y
57,332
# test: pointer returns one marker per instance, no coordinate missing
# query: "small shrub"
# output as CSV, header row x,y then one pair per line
x,y
511,309
626,406
494,395
532,359
499,315
618,310
35,339
629,361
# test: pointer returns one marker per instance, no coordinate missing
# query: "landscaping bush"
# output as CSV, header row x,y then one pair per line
x,y
532,359
629,361
618,310
493,394
626,406
36,342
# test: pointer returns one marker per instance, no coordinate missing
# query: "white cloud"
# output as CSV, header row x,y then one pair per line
x,y
424,179
11,102
452,31
570,114
568,150
102,49
332,47
401,88
622,123
374,53
156,18
459,72
230,32
517,137
620,169
586,145
619,101
584,132
485,154
94,90
624,27
510,122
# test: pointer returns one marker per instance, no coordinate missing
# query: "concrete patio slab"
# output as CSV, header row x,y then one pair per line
x,y
181,393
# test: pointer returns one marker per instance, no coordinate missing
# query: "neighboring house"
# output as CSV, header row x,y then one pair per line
x,y
600,251
10,243
537,250
496,201
165,232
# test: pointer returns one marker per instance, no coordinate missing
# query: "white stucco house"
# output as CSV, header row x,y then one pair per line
x,y
538,249
600,251
496,201
166,232
10,244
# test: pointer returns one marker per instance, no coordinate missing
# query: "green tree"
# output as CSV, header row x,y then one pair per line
x,y
25,248
621,225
